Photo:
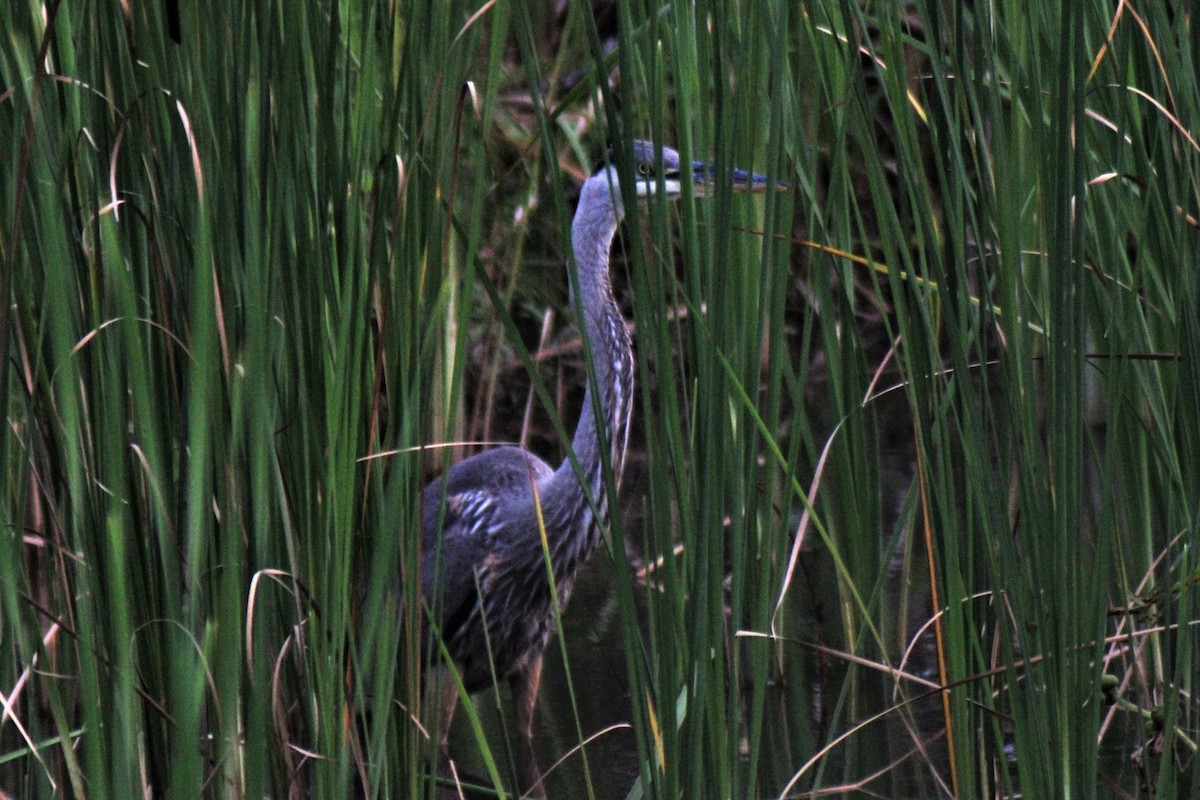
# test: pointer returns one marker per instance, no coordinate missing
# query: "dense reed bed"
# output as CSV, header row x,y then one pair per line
x,y
911,509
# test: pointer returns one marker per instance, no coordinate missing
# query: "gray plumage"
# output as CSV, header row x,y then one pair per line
x,y
484,578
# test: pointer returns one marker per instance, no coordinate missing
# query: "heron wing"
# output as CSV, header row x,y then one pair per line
x,y
462,511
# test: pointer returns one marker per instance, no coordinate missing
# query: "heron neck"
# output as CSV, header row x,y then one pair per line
x,y
607,339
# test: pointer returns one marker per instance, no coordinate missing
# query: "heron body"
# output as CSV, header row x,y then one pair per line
x,y
484,576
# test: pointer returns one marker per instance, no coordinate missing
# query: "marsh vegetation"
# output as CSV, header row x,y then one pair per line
x,y
911,503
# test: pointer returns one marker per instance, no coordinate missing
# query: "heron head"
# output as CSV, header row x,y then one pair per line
x,y
660,169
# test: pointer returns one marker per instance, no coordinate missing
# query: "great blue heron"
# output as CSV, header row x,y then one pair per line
x,y
484,576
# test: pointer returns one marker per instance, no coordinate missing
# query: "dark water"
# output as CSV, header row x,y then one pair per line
x,y
905,751
595,649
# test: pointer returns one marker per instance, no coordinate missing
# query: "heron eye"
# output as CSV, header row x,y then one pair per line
x,y
643,169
